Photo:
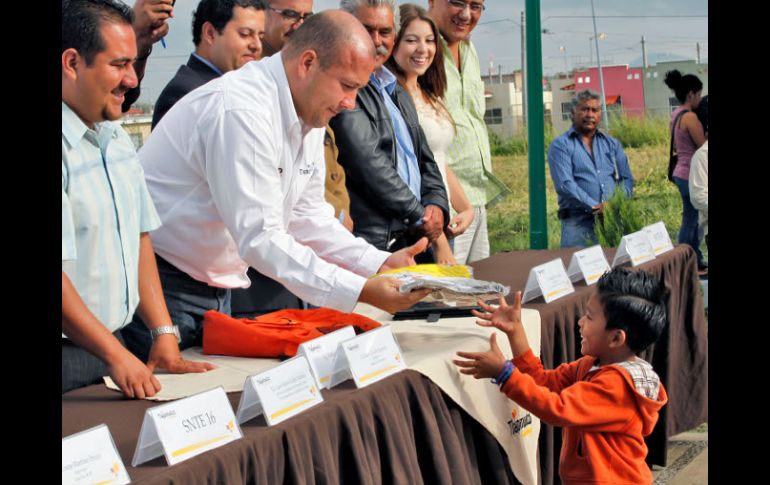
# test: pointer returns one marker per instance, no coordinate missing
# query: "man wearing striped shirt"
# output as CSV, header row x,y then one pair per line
x,y
469,155
108,268
586,165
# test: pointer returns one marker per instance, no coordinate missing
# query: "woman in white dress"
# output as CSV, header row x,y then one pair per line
x,y
418,63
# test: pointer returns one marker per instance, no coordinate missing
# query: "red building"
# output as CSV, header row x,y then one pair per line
x,y
623,87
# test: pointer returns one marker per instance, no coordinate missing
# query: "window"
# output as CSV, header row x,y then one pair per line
x,y
493,116
648,75
588,79
673,104
566,111
580,80
636,75
628,77
655,74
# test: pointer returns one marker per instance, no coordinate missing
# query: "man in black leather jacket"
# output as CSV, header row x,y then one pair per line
x,y
387,212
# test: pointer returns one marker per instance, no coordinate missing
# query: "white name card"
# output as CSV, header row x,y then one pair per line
x,y
549,280
188,427
589,264
90,457
280,392
373,356
659,238
326,358
634,247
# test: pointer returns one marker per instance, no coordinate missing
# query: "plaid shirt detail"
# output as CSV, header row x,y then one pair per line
x,y
645,379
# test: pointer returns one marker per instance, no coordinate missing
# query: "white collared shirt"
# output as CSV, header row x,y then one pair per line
x,y
237,182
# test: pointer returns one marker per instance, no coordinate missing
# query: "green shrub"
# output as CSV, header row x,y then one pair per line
x,y
517,145
635,132
621,216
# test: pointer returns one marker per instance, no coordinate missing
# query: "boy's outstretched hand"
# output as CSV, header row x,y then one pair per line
x,y
508,319
482,364
505,318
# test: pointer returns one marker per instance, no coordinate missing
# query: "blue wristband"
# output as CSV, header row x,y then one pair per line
x,y
504,373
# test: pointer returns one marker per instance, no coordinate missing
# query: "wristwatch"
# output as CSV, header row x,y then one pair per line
x,y
155,332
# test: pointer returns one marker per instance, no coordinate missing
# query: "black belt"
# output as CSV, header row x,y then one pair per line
x,y
567,213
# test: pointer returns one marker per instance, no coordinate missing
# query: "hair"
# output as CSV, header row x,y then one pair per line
x,y
351,6
433,83
682,85
327,37
218,13
81,22
635,302
582,96
702,112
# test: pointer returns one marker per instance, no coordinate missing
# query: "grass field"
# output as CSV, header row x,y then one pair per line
x,y
658,199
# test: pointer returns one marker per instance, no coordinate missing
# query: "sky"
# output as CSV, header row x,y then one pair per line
x,y
671,28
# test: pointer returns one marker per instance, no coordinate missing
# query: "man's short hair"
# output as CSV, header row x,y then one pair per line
x,y
635,302
350,6
218,13
582,96
81,22
321,33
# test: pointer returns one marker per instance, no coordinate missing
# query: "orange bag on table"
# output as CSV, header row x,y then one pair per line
x,y
276,334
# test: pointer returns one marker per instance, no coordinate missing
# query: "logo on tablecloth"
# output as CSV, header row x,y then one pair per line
x,y
521,425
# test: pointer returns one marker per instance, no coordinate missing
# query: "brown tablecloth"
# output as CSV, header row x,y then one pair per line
x,y
401,430
680,356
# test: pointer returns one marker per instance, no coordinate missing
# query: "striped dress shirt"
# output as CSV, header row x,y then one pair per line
x,y
105,206
469,155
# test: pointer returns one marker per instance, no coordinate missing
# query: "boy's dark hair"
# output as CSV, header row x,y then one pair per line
x,y
81,23
635,302
682,85
218,13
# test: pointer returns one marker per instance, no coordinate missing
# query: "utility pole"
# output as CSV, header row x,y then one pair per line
x,y
697,50
605,118
523,72
644,54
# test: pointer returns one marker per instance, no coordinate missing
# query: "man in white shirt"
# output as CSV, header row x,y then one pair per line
x,y
108,268
236,172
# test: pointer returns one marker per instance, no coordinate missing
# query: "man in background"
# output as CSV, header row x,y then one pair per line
x,y
469,155
586,165
227,34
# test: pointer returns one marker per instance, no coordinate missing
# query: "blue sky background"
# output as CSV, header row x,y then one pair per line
x,y
671,29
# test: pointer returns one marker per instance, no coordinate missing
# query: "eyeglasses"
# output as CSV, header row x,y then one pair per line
x,y
292,15
461,4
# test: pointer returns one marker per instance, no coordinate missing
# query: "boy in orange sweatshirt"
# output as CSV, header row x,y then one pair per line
x,y
606,401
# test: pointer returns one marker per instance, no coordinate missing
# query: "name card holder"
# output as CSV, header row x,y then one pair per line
x,y
659,238
280,392
90,456
588,264
634,247
549,280
326,358
373,356
186,428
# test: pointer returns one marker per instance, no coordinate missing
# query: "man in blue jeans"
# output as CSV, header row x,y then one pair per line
x,y
586,165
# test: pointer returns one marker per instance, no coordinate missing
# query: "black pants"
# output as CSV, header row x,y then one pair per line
x,y
265,295
79,367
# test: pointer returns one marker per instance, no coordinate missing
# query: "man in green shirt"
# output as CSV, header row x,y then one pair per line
x,y
469,155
